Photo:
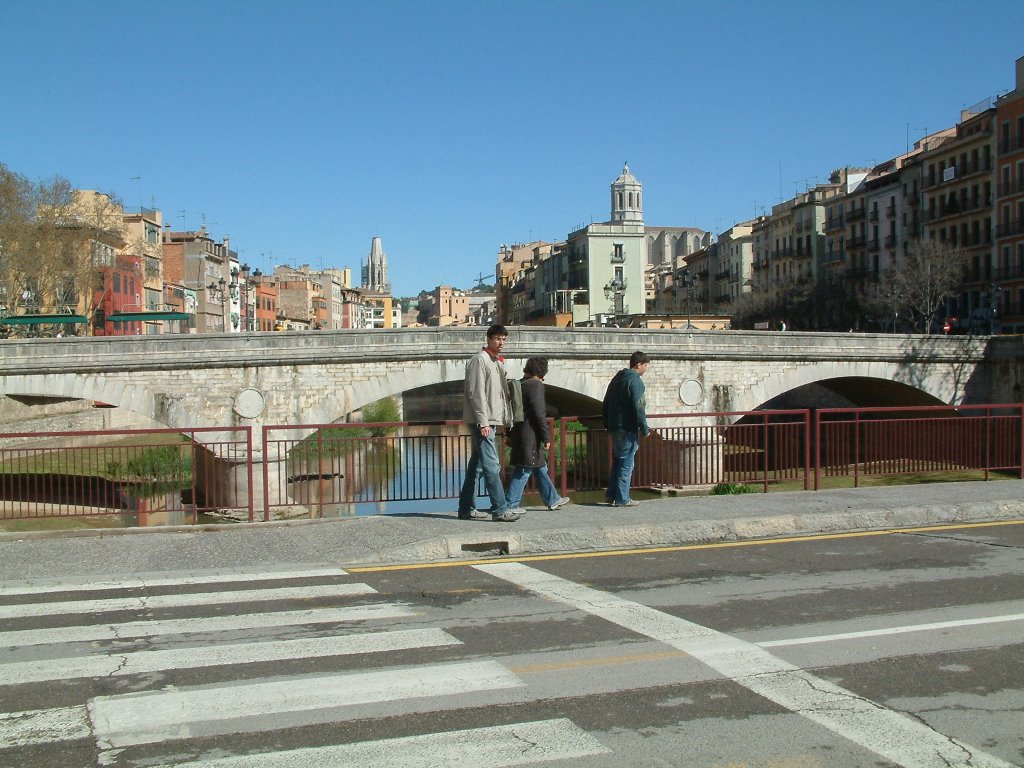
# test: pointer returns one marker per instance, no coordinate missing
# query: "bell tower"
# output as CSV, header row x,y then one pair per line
x,y
627,198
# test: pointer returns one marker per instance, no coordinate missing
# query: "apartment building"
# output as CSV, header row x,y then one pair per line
x,y
1009,271
958,188
200,269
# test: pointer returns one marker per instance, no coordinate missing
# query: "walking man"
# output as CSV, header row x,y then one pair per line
x,y
485,407
625,418
531,440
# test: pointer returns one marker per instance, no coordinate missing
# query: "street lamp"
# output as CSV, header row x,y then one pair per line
x,y
216,292
614,291
993,301
688,286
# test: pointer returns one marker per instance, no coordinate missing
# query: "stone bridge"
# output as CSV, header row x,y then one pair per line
x,y
188,381
318,377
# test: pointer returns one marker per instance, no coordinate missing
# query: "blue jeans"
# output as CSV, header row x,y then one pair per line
x,y
517,485
624,448
483,459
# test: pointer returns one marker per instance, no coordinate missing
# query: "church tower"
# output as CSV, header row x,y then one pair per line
x,y
375,270
627,199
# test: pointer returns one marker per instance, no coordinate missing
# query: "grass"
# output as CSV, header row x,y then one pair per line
x,y
146,455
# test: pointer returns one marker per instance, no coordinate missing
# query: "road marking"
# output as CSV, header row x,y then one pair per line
x,y
156,716
893,630
35,587
140,662
189,599
501,745
676,547
893,735
43,726
204,625
603,661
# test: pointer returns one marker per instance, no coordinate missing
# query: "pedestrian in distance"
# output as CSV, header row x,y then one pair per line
x,y
486,408
625,417
531,440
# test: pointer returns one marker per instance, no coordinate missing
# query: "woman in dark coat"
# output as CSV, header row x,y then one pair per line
x,y
531,439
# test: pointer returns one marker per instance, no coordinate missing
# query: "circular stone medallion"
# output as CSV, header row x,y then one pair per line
x,y
249,403
691,392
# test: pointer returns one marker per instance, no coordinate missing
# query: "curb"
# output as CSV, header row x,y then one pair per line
x,y
452,548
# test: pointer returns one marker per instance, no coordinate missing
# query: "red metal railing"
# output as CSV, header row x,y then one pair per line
x,y
861,442
330,469
157,476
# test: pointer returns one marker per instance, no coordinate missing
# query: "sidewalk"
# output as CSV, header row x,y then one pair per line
x,y
415,538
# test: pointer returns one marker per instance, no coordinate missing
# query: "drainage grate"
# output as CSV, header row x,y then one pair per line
x,y
487,548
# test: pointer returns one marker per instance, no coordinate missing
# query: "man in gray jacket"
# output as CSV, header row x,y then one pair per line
x,y
485,408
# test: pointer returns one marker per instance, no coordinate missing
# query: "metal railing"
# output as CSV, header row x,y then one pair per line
x,y
159,476
166,476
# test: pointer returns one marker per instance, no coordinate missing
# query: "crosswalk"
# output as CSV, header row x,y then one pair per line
x,y
144,671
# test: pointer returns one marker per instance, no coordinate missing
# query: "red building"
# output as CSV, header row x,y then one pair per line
x,y
120,288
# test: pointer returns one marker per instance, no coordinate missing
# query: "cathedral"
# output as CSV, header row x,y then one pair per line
x,y
375,270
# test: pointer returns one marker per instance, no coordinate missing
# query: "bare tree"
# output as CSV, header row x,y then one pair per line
x,y
921,281
52,241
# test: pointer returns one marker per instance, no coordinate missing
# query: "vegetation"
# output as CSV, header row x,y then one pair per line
x,y
732,489
52,240
165,463
339,441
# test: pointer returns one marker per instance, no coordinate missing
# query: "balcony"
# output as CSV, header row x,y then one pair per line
x,y
874,244
1010,229
723,275
833,224
873,214
890,211
890,241
856,213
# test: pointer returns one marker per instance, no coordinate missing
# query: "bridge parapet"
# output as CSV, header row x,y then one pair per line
x,y
176,352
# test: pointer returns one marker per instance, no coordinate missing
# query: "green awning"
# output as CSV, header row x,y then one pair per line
x,y
42,319
141,317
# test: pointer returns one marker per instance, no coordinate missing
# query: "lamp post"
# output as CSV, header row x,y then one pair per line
x,y
614,292
993,301
688,286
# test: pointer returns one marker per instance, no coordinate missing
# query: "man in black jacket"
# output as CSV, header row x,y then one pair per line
x,y
531,440
625,418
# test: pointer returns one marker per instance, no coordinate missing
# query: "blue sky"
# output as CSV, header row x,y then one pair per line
x,y
304,129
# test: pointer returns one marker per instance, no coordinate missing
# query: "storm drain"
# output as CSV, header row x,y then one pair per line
x,y
487,548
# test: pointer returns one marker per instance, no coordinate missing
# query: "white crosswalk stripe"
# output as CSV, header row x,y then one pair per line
x,y
215,655
151,716
46,586
118,724
503,745
207,624
189,599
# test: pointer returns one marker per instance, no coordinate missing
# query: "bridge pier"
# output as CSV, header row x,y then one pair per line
x,y
700,459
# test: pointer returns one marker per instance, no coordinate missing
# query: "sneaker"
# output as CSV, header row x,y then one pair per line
x,y
560,503
473,514
628,503
510,515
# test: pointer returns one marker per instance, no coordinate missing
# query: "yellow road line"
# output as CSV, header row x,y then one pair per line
x,y
680,547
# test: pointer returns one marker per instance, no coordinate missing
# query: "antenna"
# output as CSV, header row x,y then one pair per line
x,y
138,179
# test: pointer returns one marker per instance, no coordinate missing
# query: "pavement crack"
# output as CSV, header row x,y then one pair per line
x,y
530,746
961,538
121,664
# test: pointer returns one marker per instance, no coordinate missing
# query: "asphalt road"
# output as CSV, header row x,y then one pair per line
x,y
864,649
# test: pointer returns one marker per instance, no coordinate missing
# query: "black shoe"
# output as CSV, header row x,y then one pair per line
x,y
473,514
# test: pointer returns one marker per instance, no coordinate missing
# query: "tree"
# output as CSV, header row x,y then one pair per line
x,y
52,240
921,281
